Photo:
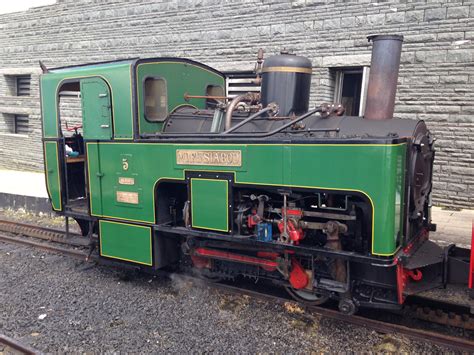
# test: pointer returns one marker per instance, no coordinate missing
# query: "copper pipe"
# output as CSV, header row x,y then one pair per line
x,y
248,97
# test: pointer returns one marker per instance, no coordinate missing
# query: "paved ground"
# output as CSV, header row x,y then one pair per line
x,y
23,183
56,304
453,226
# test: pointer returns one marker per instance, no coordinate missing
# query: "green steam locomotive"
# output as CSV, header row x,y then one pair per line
x,y
154,158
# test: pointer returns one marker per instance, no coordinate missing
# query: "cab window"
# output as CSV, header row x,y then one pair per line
x,y
156,99
214,90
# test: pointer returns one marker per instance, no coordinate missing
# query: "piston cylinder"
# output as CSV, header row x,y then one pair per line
x,y
286,81
383,77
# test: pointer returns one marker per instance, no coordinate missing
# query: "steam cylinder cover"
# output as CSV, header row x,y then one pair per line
x,y
286,80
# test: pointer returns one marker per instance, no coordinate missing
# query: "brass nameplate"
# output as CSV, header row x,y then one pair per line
x,y
209,157
126,180
127,197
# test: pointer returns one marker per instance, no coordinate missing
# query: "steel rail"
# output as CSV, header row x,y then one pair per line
x,y
26,225
44,233
377,325
45,247
452,342
16,345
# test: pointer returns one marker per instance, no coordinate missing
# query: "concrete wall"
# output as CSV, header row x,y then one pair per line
x,y
436,77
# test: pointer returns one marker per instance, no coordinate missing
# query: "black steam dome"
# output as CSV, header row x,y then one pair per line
x,y
286,80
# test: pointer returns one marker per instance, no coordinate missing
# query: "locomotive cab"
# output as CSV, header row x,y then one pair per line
x,y
96,103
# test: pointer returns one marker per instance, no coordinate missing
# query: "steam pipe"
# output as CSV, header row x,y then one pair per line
x,y
233,104
383,76
250,118
317,110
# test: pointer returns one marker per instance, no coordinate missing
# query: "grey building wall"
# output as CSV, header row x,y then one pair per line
x,y
436,78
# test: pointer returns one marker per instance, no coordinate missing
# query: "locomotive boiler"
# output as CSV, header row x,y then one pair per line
x,y
168,171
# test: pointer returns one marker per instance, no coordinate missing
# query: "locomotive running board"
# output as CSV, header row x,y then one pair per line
x,y
453,260
457,265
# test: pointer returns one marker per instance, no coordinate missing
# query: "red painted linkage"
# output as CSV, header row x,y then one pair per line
x,y
298,277
245,259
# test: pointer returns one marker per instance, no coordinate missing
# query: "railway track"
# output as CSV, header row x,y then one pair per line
x,y
12,346
54,240
45,233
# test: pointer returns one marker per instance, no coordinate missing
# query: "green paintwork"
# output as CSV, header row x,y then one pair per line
x,y
209,204
118,78
52,174
373,170
126,242
96,109
95,178
181,78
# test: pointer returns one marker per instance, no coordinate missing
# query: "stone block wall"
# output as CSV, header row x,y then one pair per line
x,y
436,77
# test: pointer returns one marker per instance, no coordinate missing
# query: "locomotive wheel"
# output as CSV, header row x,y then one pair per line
x,y
347,306
312,299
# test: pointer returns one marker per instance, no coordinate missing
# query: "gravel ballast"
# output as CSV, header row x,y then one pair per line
x,y
57,304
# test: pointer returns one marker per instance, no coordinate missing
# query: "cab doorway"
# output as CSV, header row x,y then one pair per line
x,y
85,114
73,148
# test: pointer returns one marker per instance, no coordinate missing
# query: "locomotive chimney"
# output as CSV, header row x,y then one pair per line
x,y
383,76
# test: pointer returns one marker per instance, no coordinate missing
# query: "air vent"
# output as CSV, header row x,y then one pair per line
x,y
23,83
240,82
21,124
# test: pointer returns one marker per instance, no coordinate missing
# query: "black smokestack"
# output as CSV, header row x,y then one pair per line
x,y
383,76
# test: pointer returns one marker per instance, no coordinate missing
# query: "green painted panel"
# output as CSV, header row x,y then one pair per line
x,y
48,88
53,183
372,170
181,78
209,204
126,242
96,109
95,176
118,78
375,171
